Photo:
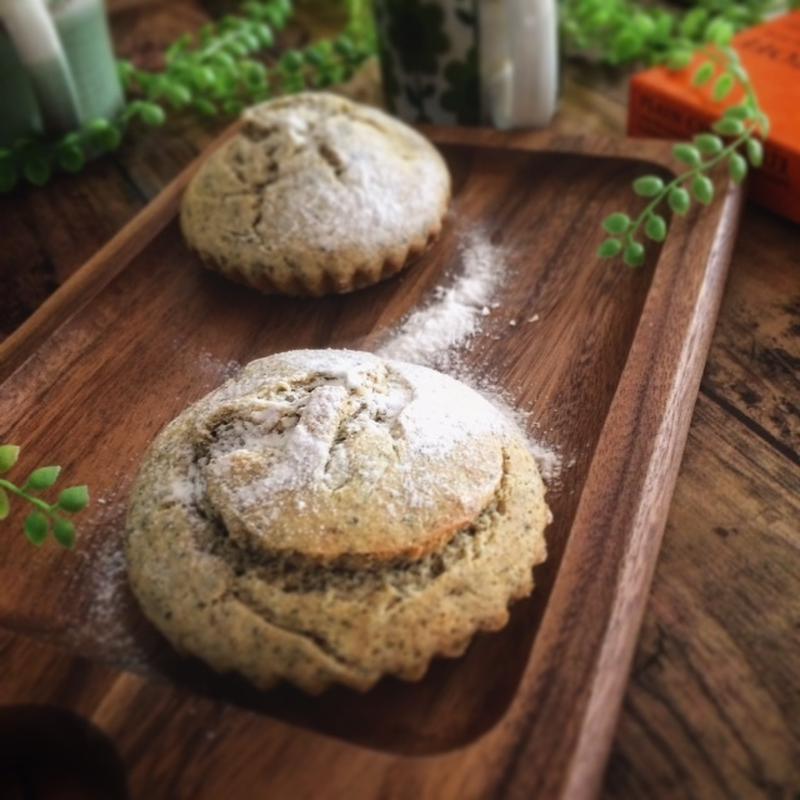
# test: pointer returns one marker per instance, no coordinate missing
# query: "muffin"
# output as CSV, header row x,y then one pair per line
x,y
329,516
316,195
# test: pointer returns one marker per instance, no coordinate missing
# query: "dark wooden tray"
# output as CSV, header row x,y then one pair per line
x,y
610,371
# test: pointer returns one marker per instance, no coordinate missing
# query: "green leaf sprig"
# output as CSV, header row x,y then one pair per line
x,y
213,73
625,32
36,158
46,517
743,124
622,32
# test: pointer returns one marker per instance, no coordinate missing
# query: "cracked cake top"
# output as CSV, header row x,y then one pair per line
x,y
316,194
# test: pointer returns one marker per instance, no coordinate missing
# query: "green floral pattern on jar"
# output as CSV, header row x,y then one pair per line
x,y
429,59
416,34
462,95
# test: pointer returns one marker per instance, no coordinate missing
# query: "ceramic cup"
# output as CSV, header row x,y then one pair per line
x,y
465,62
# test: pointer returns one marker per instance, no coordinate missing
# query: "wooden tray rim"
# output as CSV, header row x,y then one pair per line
x,y
585,739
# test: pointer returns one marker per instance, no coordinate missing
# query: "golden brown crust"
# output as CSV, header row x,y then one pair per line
x,y
316,195
278,605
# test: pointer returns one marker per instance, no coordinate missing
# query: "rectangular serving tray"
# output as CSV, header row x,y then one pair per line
x,y
609,372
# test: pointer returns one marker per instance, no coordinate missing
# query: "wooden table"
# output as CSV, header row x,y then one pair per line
x,y
713,705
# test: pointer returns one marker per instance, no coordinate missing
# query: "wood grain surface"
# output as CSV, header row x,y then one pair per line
x,y
608,371
712,707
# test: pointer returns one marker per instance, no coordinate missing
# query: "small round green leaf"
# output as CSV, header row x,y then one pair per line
x,y
42,478
204,107
643,24
237,47
264,34
708,144
704,73
728,126
626,45
152,114
70,158
36,527
722,88
64,532
5,504
36,169
755,152
224,60
741,112
609,248
202,78
656,228
719,31
315,56
599,18
103,134
344,46
126,71
97,126
679,200
693,23
178,95
648,185
74,499
9,453
292,60
617,223
250,41
634,254
687,154
274,16
737,166
679,60
703,189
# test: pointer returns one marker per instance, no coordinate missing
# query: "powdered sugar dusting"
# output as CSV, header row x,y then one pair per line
x,y
304,439
107,622
548,459
217,368
437,334
455,314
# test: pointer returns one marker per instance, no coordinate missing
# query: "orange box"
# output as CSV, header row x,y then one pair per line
x,y
664,104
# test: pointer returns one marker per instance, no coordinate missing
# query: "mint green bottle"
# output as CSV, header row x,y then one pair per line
x,y
82,27
35,39
20,112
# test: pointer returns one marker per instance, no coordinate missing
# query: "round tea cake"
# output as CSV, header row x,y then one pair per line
x,y
316,195
329,516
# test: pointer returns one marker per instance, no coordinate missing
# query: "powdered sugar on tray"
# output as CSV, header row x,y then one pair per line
x,y
455,314
216,368
107,625
548,459
437,335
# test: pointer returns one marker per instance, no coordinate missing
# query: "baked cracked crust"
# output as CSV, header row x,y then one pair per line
x,y
316,195
328,516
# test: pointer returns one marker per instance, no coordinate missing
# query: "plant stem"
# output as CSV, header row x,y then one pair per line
x,y
40,504
683,178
